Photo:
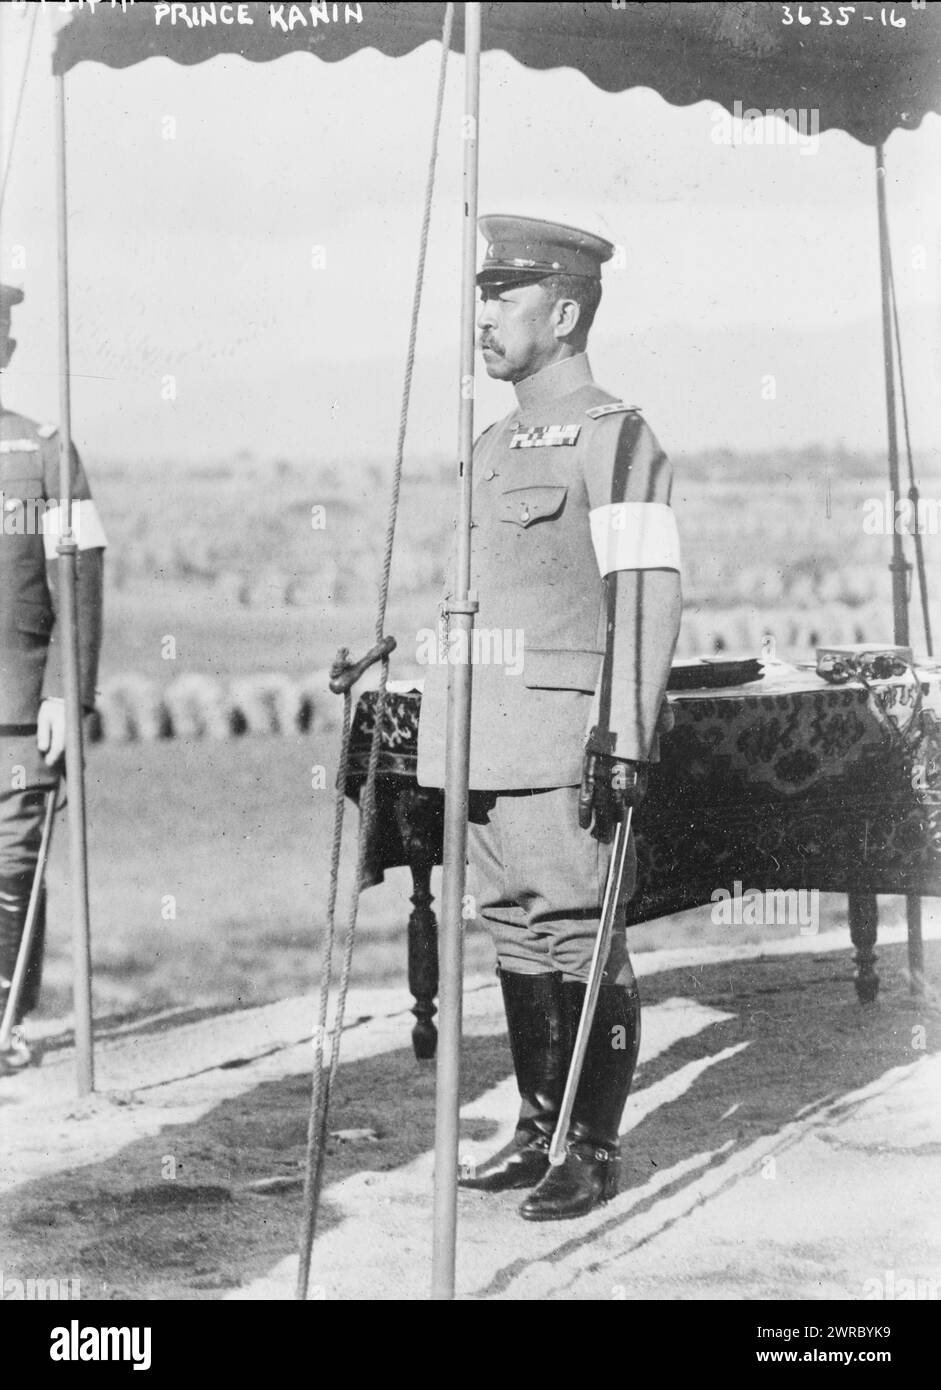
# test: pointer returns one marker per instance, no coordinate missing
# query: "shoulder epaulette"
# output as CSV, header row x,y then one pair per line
x,y
46,431
597,411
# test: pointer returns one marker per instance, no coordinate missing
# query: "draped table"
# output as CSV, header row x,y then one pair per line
x,y
784,783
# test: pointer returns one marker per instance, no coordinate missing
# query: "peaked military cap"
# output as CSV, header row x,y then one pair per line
x,y
10,295
522,250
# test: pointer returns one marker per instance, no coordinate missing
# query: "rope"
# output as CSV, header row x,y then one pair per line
x,y
19,103
913,494
324,1076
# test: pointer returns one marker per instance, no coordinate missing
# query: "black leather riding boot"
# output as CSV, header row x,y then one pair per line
x,y
14,900
537,1033
589,1174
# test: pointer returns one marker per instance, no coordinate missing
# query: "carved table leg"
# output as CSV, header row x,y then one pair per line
x,y
864,924
423,963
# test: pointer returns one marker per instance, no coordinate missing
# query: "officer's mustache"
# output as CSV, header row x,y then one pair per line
x,y
490,344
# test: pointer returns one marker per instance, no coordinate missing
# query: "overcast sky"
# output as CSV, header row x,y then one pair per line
x,y
198,196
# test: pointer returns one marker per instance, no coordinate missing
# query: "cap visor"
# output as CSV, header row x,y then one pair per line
x,y
511,275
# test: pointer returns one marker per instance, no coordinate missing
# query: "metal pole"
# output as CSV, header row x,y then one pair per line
x,y
68,628
899,566
460,610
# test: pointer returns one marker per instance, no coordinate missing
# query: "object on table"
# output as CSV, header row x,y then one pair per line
x,y
714,672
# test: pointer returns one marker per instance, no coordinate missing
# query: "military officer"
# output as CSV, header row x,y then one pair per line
x,y
32,711
575,563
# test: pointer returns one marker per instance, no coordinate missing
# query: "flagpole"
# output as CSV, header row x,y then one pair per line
x,y
459,610
68,637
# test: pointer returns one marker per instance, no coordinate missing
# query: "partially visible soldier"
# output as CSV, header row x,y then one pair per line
x,y
575,551
32,709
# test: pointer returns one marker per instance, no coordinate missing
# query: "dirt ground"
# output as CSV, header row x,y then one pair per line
x,y
187,1184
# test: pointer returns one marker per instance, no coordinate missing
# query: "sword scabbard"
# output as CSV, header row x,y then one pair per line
x,y
599,961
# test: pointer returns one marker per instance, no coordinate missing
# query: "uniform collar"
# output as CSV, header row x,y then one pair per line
x,y
561,379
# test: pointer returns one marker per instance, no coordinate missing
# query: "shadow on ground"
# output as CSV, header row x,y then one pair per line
x,y
170,1216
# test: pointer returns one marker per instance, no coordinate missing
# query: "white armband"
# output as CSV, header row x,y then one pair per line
x,y
86,526
635,536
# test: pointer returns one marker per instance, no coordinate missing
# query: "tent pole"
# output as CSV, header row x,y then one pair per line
x,y
67,552
899,566
459,612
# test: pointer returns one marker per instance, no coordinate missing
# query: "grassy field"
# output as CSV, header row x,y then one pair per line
x,y
209,859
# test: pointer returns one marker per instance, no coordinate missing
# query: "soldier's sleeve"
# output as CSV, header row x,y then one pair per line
x,y
637,548
89,571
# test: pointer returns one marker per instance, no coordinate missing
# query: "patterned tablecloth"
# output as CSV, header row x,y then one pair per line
x,y
785,782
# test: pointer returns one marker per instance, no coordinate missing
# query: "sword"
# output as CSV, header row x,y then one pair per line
x,y
29,928
599,959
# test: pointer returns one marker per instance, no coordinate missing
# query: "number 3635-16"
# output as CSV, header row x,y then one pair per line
x,y
823,14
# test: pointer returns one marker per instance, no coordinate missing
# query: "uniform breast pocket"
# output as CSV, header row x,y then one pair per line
x,y
525,506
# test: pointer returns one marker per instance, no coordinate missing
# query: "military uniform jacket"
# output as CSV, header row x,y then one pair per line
x,y
30,664
558,649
